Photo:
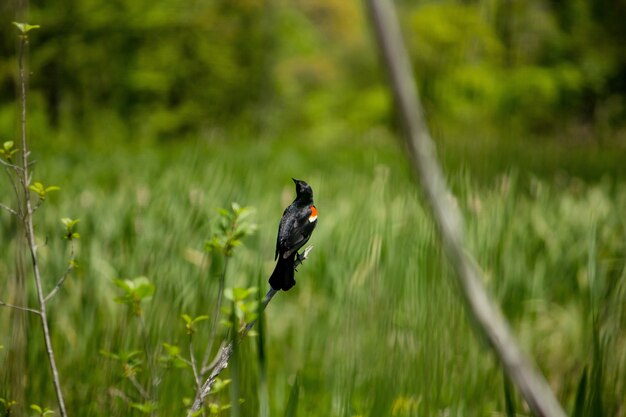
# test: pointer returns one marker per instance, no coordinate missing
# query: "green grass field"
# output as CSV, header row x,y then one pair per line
x,y
374,327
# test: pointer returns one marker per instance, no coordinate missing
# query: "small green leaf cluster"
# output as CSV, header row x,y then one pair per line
x,y
134,292
42,190
6,406
70,232
233,225
189,322
246,309
43,412
24,28
7,151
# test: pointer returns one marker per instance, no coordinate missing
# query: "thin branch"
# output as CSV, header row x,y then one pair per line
x,y
10,165
226,350
30,230
9,209
216,314
194,366
151,394
61,280
491,323
14,186
28,309
144,394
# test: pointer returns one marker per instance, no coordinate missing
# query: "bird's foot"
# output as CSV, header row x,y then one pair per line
x,y
299,259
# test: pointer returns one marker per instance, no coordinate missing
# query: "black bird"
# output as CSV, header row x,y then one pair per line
x,y
296,226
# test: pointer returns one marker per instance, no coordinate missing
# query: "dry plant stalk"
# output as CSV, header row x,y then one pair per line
x,y
483,311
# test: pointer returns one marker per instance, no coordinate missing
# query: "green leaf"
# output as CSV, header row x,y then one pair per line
x,y
36,408
123,284
240,293
200,318
40,189
143,288
220,384
69,223
47,412
228,294
37,187
187,318
214,408
25,27
172,350
145,408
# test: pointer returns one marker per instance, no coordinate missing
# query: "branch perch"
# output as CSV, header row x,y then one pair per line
x,y
490,321
226,350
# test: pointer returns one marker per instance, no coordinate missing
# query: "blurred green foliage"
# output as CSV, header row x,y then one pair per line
x,y
373,327
162,69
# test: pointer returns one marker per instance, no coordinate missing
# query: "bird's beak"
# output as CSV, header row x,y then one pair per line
x,y
295,180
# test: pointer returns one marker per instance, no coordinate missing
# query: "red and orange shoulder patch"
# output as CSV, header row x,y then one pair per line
x,y
313,215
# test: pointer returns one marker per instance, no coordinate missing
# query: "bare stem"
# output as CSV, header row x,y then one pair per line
x,y
150,357
225,352
10,165
61,280
491,323
144,394
15,190
9,209
30,231
194,366
28,309
216,314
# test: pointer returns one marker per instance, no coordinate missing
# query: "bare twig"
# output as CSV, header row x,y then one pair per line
x,y
144,394
14,186
216,314
24,177
194,366
28,309
61,280
225,352
491,323
151,394
9,209
10,165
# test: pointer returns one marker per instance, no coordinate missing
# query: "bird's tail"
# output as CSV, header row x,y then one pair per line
x,y
283,276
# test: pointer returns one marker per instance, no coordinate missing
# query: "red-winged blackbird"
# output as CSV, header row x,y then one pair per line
x,y
296,226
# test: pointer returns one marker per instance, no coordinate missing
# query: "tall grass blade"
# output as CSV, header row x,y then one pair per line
x,y
509,404
594,405
292,404
581,395
235,375
264,406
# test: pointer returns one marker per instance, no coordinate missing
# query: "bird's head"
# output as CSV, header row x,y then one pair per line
x,y
303,190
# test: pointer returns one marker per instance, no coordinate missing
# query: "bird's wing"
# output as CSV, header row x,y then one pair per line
x,y
294,232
